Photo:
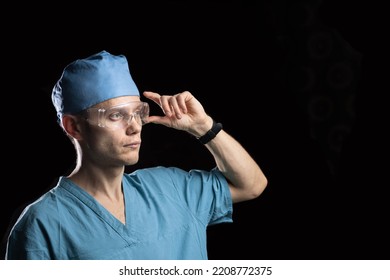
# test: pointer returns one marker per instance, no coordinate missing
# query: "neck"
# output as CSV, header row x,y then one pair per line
x,y
105,187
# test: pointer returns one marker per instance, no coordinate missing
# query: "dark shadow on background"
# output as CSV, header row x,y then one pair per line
x,y
277,74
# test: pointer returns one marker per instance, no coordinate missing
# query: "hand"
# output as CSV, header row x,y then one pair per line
x,y
182,111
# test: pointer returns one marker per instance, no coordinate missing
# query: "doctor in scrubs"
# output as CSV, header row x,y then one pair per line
x,y
99,211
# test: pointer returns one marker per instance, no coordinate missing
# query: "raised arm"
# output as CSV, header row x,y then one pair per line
x,y
184,112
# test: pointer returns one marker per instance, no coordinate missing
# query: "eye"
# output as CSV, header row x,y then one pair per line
x,y
116,116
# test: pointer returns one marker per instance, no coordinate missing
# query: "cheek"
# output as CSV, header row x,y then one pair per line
x,y
102,141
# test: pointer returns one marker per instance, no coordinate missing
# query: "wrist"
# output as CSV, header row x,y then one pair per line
x,y
210,134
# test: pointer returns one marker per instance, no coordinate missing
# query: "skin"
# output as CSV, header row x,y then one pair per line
x,y
102,154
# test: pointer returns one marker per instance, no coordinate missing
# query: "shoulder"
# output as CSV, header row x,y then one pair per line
x,y
36,211
174,175
42,210
158,172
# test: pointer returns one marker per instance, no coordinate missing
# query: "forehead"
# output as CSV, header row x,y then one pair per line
x,y
116,101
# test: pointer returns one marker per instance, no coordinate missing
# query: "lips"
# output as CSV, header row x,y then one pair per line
x,y
133,144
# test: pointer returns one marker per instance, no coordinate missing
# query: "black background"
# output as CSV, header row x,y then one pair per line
x,y
238,58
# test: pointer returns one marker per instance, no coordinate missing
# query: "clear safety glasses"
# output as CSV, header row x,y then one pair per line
x,y
119,116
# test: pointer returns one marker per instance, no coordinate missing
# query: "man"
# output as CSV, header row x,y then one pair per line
x,y
99,211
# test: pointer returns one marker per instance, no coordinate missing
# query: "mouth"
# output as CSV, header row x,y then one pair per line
x,y
133,145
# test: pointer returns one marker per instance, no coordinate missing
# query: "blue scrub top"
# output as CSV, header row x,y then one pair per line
x,y
167,214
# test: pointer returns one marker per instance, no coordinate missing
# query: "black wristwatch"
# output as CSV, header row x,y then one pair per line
x,y
215,129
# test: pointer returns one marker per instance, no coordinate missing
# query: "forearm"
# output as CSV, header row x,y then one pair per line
x,y
245,177
184,112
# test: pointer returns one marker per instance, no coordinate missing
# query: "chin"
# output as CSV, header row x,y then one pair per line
x,y
131,161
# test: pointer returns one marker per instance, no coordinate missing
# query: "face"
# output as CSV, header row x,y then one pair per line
x,y
112,131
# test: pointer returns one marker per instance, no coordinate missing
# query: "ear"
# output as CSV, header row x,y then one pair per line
x,y
72,126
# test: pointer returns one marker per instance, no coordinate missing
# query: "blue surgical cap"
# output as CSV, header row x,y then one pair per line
x,y
89,81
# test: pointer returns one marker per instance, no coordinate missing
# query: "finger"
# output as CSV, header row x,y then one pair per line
x,y
159,120
182,100
173,101
159,100
153,96
166,105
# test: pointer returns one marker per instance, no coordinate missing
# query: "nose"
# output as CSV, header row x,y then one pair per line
x,y
134,124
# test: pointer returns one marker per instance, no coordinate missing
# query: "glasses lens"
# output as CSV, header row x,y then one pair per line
x,y
121,115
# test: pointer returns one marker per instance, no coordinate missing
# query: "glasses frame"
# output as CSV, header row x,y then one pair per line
x,y
99,117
